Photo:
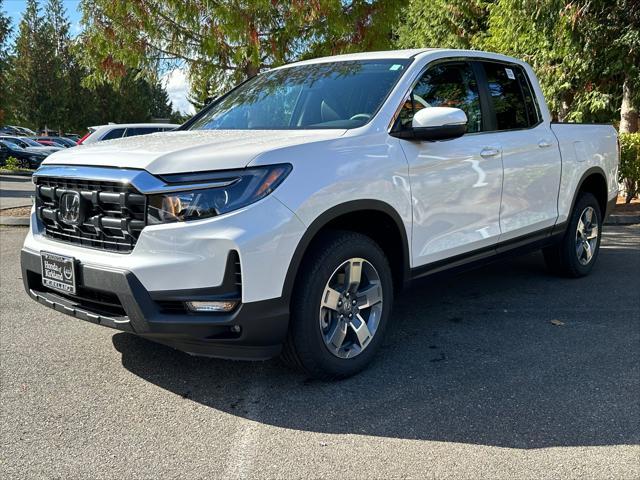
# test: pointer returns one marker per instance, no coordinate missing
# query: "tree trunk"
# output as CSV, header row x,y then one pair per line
x,y
251,70
565,106
563,112
628,124
628,113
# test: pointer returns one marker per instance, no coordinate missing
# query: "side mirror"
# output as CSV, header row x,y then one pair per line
x,y
436,123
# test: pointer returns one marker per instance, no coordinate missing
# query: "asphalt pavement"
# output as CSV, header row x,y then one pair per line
x,y
504,372
15,191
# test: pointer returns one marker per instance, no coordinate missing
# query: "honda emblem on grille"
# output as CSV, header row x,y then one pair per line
x,y
70,208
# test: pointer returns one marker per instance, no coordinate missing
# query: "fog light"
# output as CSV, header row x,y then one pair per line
x,y
224,306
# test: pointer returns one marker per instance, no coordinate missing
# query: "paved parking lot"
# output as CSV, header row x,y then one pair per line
x,y
474,381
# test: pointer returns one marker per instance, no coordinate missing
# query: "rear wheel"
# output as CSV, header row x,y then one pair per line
x,y
340,306
575,255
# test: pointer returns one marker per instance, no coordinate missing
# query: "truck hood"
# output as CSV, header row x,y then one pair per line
x,y
187,151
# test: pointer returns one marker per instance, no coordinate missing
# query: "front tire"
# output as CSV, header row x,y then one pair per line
x,y
340,306
576,253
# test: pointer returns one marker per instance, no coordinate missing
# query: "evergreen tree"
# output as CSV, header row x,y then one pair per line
x,y
160,105
223,42
442,23
56,41
47,80
586,52
5,31
25,74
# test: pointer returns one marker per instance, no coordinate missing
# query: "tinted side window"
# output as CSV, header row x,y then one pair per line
x,y
132,132
115,133
446,85
530,100
511,96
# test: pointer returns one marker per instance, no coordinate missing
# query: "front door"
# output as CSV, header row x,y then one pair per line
x,y
455,184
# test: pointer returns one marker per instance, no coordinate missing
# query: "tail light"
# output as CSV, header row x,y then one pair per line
x,y
84,138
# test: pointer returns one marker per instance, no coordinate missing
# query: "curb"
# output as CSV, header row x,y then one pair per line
x,y
16,174
15,221
17,206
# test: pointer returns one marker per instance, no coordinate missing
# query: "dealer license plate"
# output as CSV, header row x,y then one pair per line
x,y
58,272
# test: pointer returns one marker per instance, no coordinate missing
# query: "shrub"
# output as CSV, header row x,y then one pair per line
x,y
629,173
12,163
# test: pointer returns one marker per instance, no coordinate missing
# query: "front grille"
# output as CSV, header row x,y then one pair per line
x,y
113,213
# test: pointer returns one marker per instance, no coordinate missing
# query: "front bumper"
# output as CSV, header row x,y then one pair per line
x,y
116,298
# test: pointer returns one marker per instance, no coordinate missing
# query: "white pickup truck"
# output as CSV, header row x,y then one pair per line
x,y
283,216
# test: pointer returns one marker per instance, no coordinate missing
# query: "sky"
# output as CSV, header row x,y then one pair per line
x,y
175,81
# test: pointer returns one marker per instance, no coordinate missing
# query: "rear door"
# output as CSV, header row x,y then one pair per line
x,y
455,184
530,153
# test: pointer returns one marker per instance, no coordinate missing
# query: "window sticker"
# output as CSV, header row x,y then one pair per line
x,y
510,74
395,67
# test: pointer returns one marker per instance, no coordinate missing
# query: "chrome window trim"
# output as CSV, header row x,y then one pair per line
x,y
141,180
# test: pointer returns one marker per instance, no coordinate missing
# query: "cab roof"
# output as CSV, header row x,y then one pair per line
x,y
402,54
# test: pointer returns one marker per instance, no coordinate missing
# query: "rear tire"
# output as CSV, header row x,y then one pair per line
x,y
576,253
330,336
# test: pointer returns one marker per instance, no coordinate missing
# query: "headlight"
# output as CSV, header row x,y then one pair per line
x,y
212,193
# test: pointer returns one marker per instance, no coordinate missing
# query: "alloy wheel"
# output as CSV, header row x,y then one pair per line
x,y
351,308
587,235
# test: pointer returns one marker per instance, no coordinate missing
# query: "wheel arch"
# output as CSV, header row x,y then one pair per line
x,y
594,181
352,216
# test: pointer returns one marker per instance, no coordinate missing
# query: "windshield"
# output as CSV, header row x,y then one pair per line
x,y
11,145
321,95
30,143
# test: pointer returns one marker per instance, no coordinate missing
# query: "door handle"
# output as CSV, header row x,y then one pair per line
x,y
544,144
489,152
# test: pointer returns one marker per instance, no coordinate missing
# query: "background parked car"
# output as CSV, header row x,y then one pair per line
x,y
27,158
56,134
74,137
16,130
49,143
111,131
9,130
30,145
60,141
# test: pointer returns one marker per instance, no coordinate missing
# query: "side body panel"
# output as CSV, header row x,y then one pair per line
x,y
532,169
334,172
455,193
584,147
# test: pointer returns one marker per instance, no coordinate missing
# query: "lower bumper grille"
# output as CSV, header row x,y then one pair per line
x,y
104,215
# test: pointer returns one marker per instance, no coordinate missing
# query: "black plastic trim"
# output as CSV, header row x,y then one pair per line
x,y
333,213
486,105
477,258
431,134
263,325
589,172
